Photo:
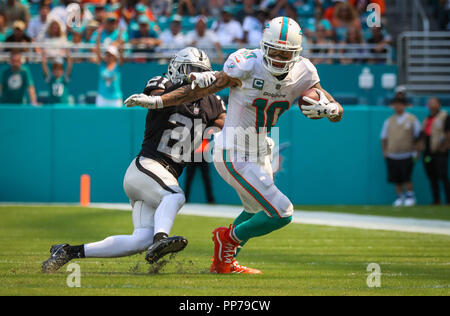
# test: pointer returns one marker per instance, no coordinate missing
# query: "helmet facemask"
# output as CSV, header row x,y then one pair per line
x,y
186,61
269,61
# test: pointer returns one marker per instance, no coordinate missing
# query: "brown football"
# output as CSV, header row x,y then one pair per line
x,y
311,93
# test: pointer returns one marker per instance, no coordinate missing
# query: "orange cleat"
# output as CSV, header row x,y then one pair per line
x,y
224,249
235,268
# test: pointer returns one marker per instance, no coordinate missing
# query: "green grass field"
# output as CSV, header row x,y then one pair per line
x,y
297,260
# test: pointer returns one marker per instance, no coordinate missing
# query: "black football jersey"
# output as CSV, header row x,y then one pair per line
x,y
173,133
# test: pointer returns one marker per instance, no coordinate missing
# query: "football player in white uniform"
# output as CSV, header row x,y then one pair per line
x,y
263,84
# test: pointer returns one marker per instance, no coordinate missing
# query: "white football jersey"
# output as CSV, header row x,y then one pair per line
x,y
254,108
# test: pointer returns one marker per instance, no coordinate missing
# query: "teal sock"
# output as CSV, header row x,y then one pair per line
x,y
243,217
259,225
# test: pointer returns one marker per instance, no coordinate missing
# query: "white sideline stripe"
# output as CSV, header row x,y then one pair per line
x,y
410,225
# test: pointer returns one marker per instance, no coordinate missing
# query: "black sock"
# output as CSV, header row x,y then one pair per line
x,y
76,251
159,236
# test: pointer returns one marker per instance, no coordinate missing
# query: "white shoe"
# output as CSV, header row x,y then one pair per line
x,y
398,202
410,201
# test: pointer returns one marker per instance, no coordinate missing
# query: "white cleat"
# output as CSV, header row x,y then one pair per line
x,y
398,202
410,202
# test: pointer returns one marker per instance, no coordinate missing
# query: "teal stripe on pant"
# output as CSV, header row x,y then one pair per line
x,y
248,187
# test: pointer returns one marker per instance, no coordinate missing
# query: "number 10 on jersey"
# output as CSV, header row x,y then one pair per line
x,y
267,114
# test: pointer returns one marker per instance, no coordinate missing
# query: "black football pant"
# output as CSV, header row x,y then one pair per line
x,y
437,170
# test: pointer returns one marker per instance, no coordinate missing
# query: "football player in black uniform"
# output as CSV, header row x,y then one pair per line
x,y
151,181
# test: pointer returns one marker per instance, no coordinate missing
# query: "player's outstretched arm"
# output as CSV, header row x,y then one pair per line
x,y
183,94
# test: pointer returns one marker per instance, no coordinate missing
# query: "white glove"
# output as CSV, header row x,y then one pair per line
x,y
321,108
145,101
202,79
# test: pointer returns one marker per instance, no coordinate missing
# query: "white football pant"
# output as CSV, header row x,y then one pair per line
x,y
156,198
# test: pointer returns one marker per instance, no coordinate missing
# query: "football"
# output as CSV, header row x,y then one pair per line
x,y
311,93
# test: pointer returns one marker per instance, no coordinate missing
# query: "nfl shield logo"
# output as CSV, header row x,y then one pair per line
x,y
196,111
278,86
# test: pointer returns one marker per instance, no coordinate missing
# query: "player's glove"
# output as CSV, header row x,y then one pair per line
x,y
145,101
202,79
321,108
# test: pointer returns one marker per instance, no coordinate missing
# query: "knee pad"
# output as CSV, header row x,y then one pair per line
x,y
284,206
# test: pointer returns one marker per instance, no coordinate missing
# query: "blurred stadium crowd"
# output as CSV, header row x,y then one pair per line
x,y
109,32
155,25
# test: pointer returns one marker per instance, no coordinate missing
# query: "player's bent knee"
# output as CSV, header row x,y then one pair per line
x,y
285,207
177,198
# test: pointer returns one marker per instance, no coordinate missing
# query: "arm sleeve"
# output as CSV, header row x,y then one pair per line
x,y
239,66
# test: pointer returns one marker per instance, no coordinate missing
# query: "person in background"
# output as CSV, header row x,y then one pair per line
x,y
253,27
3,30
18,35
14,11
436,139
174,38
321,38
161,7
186,7
100,13
400,143
109,85
354,36
58,80
53,35
37,23
381,39
203,165
318,20
204,39
147,36
91,27
109,33
16,81
345,18
227,29
248,10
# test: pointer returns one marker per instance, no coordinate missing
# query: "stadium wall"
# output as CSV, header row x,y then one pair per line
x,y
342,80
45,150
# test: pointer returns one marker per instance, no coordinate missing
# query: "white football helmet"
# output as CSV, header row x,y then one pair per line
x,y
187,60
281,33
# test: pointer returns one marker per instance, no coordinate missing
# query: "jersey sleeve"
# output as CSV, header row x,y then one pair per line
x,y
156,83
240,64
313,75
